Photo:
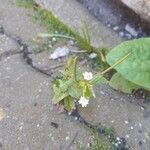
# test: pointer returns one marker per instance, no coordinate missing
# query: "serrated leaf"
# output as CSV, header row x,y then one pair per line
x,y
74,91
118,82
98,79
58,94
69,104
135,68
65,85
71,69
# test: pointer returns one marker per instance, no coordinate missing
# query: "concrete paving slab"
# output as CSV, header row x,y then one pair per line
x,y
73,14
16,21
25,98
27,117
7,44
122,112
141,7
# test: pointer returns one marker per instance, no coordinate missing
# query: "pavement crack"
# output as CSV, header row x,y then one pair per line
x,y
9,53
25,51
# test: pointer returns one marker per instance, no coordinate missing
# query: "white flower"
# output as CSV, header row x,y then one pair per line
x,y
88,75
83,101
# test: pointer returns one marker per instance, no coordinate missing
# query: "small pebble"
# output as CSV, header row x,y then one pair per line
x,y
21,48
21,127
67,138
131,30
37,125
112,121
127,136
69,113
115,28
132,128
108,25
126,122
76,118
55,125
93,55
54,39
118,138
121,34
140,125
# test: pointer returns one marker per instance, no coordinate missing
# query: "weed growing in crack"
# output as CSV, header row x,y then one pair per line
x,y
53,24
75,87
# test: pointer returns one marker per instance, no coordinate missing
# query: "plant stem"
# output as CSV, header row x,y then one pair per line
x,y
47,35
115,64
80,51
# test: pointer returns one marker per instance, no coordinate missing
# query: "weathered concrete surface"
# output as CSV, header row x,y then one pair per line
x,y
7,44
25,98
74,15
120,111
109,108
10,19
26,111
141,7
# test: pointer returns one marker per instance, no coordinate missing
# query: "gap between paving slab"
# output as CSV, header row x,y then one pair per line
x,y
73,14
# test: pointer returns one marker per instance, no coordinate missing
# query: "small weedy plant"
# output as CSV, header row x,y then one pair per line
x,y
131,60
74,86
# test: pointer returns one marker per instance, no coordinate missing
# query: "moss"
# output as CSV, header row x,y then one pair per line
x,y
54,24
98,142
25,3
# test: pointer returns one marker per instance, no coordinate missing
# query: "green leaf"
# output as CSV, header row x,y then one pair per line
x,y
98,79
87,93
69,104
136,67
74,91
71,67
65,85
58,94
118,82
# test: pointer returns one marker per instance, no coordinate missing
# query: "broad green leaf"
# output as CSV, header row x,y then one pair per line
x,y
118,82
136,67
98,79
